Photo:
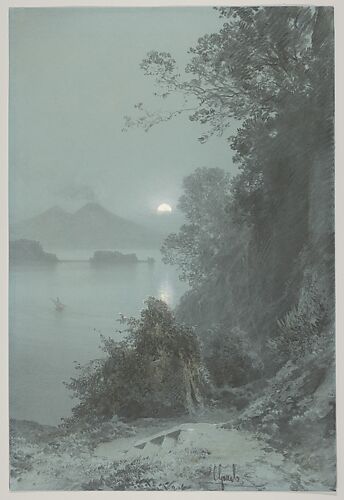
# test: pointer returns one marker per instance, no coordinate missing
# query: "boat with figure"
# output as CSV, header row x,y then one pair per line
x,y
58,304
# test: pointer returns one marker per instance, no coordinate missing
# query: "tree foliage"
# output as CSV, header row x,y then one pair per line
x,y
229,357
154,371
199,243
262,59
254,245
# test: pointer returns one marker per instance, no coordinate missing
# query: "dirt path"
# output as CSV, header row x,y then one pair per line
x,y
210,457
199,454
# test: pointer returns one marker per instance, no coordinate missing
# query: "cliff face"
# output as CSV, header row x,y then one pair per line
x,y
296,412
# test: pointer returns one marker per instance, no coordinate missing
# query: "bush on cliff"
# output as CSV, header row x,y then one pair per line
x,y
154,371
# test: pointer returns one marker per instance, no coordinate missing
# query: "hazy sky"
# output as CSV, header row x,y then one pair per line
x,y
74,74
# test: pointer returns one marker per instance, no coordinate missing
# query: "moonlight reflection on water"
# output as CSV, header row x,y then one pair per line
x,y
44,343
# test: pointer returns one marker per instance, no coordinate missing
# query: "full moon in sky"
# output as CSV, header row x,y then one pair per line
x,y
164,208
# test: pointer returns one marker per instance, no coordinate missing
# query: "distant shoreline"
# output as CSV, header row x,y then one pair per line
x,y
77,261
71,261
26,251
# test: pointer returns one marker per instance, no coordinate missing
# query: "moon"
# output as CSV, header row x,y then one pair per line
x,y
164,208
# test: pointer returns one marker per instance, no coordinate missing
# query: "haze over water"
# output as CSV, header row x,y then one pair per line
x,y
68,99
44,343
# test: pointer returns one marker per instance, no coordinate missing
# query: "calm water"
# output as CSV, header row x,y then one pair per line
x,y
44,343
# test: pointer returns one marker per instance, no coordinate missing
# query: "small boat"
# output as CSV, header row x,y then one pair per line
x,y
58,304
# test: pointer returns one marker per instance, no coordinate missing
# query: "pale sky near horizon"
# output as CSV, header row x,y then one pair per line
x,y
74,74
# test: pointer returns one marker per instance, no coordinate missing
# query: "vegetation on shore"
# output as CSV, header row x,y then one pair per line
x,y
154,371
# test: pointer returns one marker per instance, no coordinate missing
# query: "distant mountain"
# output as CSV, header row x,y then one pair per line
x,y
91,227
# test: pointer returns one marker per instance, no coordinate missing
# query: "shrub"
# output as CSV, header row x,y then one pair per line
x,y
230,358
299,331
154,371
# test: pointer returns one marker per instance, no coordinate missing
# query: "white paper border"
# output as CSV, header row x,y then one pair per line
x,y
4,63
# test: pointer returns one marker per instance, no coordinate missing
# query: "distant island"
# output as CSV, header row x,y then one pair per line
x,y
101,257
92,226
25,251
109,257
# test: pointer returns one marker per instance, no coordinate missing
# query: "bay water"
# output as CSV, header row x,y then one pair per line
x,y
44,343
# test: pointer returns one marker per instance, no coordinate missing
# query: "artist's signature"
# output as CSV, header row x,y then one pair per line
x,y
219,474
